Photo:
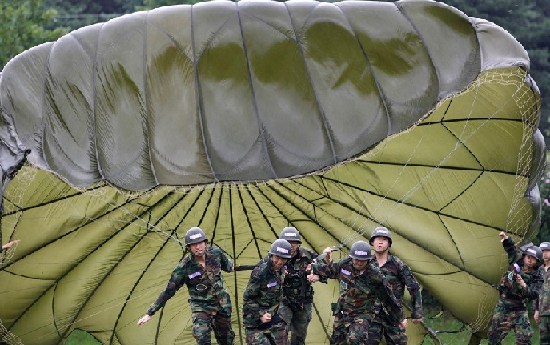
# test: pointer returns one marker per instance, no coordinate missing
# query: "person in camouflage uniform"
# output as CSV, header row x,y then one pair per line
x,y
262,298
398,276
542,316
519,285
364,284
210,303
297,289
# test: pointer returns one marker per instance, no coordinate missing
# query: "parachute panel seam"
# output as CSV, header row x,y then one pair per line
x,y
323,117
262,134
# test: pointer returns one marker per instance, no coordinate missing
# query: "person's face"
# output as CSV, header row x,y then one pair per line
x,y
546,255
294,245
380,244
529,261
198,249
359,265
278,262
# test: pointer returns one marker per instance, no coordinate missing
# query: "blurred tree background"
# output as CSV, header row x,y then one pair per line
x,y
26,23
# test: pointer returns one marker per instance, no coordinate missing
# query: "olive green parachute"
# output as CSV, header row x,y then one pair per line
x,y
243,118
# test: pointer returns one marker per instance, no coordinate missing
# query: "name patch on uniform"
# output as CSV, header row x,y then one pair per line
x,y
272,284
282,250
195,236
346,272
360,252
193,275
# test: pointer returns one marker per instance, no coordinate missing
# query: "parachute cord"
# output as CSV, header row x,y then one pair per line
x,y
7,337
8,254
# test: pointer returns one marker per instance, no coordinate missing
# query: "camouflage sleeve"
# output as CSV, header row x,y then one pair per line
x,y
227,264
375,273
326,270
414,290
313,255
378,280
251,298
176,281
511,250
533,289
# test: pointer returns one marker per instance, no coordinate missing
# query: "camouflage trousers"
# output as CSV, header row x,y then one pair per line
x,y
204,323
504,321
380,328
544,330
274,335
297,322
349,331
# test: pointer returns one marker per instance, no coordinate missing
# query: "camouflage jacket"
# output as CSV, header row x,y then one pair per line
x,y
544,296
400,276
206,287
263,294
512,295
297,290
361,290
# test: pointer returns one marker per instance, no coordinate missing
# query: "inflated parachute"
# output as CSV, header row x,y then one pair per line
x,y
243,118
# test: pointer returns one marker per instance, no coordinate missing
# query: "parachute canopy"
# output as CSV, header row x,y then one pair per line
x,y
243,118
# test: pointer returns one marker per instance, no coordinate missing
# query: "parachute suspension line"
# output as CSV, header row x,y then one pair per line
x,y
288,219
356,235
235,280
261,211
217,208
115,208
426,177
118,261
40,336
7,337
529,113
134,286
23,209
302,211
72,320
253,238
7,255
150,227
264,217
314,215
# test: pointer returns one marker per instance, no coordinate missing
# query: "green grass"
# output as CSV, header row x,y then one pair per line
x,y
511,339
78,337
